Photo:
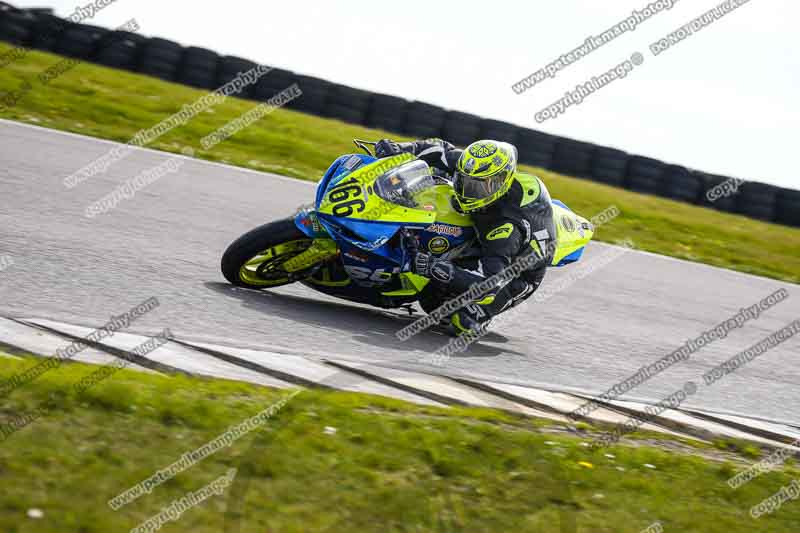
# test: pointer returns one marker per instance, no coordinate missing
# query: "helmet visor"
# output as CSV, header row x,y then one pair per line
x,y
471,188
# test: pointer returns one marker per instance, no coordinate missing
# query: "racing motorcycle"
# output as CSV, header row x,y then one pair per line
x,y
352,243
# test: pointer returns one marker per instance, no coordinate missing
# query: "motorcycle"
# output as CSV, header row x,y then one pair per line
x,y
352,244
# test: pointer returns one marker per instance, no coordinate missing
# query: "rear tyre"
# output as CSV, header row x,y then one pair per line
x,y
255,259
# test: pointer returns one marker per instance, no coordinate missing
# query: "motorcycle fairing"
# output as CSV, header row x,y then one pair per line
x,y
574,233
340,168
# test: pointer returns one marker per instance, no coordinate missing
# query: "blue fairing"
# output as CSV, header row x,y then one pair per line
x,y
369,236
561,204
308,222
338,171
571,258
303,224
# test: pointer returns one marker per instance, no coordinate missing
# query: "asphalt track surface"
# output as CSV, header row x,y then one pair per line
x,y
167,241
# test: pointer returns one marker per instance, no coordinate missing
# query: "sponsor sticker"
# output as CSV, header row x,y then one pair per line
x,y
438,245
444,229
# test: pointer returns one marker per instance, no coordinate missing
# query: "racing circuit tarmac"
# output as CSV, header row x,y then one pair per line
x,y
167,241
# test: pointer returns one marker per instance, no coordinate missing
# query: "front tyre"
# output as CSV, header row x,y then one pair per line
x,y
256,258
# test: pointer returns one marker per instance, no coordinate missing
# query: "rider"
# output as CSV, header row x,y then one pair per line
x,y
511,212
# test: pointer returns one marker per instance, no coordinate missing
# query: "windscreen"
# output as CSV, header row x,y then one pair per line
x,y
401,185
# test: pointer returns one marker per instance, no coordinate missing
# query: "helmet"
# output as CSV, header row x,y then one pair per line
x,y
484,173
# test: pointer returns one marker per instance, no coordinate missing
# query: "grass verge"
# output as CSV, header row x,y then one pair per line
x,y
333,461
111,104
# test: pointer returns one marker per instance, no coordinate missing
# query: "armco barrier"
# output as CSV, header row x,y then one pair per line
x,y
199,67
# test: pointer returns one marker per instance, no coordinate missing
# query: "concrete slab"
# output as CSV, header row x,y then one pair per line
x,y
39,342
442,389
172,356
703,428
766,429
565,403
312,371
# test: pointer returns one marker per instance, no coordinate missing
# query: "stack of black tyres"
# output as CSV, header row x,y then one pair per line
x,y
424,121
161,58
609,165
645,175
497,130
573,158
35,11
679,183
47,31
120,49
314,97
347,104
15,26
460,128
80,41
229,67
272,83
788,207
314,90
387,113
536,148
198,68
709,182
757,200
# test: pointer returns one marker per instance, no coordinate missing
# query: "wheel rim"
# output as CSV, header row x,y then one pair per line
x,y
264,268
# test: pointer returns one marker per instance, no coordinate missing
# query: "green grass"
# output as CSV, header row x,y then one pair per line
x,y
115,105
390,466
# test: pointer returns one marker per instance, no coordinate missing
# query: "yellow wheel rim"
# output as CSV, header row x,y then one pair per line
x,y
265,268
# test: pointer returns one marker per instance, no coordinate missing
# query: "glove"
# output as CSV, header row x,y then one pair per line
x,y
387,148
421,264
438,270
427,265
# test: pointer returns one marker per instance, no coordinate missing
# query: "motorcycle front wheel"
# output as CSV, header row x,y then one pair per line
x,y
255,259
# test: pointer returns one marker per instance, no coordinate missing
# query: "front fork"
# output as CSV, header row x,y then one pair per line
x,y
321,249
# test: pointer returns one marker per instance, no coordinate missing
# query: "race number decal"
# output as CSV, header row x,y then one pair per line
x,y
344,198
